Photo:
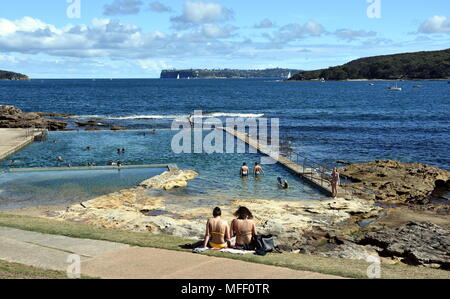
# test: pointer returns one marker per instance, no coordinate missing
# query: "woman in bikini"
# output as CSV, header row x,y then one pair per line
x,y
335,182
244,229
217,231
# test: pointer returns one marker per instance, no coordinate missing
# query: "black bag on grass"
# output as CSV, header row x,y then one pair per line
x,y
264,244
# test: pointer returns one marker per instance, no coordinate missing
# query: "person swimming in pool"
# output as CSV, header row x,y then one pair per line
x,y
283,184
258,169
217,231
244,170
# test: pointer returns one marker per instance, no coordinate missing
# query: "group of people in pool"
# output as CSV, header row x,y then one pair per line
x,y
257,171
239,235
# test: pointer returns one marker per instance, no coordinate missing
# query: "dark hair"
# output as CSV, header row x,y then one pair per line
x,y
243,213
217,212
244,164
256,163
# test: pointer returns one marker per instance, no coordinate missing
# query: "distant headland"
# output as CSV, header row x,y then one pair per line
x,y
432,65
227,73
6,75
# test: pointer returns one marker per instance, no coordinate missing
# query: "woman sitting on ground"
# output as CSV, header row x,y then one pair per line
x,y
217,231
244,229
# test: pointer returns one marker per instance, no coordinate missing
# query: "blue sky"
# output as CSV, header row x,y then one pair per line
x,y
138,38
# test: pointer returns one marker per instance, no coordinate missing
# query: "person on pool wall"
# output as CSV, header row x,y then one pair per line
x,y
217,231
244,229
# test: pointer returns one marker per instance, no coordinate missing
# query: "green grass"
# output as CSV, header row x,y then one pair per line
x,y
340,267
17,271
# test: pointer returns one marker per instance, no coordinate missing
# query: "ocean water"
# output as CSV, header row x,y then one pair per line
x,y
328,121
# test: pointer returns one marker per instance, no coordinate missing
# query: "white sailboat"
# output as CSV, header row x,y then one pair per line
x,y
178,77
289,76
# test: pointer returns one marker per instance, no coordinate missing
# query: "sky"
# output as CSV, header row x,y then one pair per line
x,y
139,38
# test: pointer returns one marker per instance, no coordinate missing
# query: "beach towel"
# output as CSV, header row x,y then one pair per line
x,y
228,250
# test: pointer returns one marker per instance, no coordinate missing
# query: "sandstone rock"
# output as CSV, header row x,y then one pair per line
x,y
351,251
398,182
12,117
170,180
118,128
416,243
9,110
53,114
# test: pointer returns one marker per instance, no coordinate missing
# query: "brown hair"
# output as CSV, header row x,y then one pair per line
x,y
243,213
217,212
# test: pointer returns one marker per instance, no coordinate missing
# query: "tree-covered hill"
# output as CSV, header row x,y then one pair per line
x,y
408,66
5,75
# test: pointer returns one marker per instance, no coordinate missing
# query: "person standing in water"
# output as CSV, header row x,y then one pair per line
x,y
244,170
258,169
335,182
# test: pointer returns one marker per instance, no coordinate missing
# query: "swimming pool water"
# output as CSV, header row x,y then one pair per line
x,y
218,178
65,187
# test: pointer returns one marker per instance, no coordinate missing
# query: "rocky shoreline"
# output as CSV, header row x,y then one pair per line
x,y
340,228
12,117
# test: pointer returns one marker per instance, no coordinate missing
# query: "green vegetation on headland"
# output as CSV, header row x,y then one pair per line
x,y
227,73
325,265
431,65
5,75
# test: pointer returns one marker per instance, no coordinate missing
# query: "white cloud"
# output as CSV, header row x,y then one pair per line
x,y
436,24
122,7
215,31
293,32
159,7
348,34
197,13
111,38
152,65
264,24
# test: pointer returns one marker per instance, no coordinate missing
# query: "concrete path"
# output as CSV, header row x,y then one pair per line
x,y
49,251
12,140
117,261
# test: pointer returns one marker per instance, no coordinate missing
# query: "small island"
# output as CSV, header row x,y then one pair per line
x,y
6,75
227,73
432,65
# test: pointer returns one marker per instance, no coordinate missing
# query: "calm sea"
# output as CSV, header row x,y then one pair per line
x,y
329,121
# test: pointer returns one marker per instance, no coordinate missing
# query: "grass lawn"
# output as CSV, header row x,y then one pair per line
x,y
18,271
341,267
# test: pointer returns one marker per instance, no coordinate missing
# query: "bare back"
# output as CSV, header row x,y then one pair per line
x,y
218,230
244,230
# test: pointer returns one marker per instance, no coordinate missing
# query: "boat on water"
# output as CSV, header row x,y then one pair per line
x,y
178,77
289,76
395,88
418,86
371,84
